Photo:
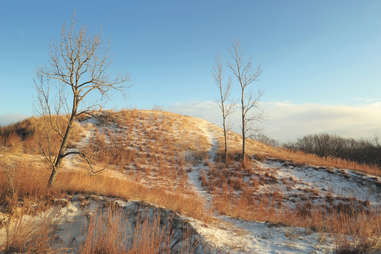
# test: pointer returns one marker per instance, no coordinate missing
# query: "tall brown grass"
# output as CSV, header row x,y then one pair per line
x,y
81,182
158,126
155,151
33,134
112,232
353,224
30,185
28,236
301,158
262,151
31,195
353,228
105,234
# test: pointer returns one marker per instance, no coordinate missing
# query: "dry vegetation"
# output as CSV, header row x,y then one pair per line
x,y
236,193
153,151
151,147
29,135
109,233
262,151
29,185
27,194
144,156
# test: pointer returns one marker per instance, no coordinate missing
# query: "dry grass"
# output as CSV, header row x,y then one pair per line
x,y
24,236
30,195
353,228
18,201
262,151
27,182
236,197
355,224
148,146
130,190
110,232
105,234
32,134
152,148
301,158
30,187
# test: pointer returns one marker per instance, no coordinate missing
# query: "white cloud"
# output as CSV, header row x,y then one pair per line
x,y
286,121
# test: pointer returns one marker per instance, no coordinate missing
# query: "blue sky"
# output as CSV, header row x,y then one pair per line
x,y
321,52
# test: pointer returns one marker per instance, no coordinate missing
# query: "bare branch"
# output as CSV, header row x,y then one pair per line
x,y
224,93
78,65
245,75
92,171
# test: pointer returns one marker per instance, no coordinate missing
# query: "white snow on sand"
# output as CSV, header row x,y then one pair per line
x,y
194,175
335,182
238,236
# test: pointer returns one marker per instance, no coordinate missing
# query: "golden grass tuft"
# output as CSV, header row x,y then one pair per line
x,y
110,232
30,185
30,135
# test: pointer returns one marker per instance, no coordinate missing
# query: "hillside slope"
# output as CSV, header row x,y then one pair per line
x,y
278,202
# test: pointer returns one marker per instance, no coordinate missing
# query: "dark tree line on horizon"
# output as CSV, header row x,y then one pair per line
x,y
366,151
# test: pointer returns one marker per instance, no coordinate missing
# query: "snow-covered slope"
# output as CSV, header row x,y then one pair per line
x,y
180,155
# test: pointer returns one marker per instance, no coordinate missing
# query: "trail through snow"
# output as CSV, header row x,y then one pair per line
x,y
239,236
234,235
71,160
194,175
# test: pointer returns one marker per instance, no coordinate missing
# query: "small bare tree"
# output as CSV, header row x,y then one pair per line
x,y
245,76
225,108
77,68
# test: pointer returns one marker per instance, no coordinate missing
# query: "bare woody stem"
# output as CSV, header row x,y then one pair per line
x,y
78,66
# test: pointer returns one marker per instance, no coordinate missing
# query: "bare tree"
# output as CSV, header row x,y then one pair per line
x,y
245,76
77,69
225,108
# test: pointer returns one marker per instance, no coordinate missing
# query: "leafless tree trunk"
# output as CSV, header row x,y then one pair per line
x,y
245,75
77,65
225,108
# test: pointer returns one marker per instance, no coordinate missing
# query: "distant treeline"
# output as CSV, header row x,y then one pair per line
x,y
265,139
325,145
